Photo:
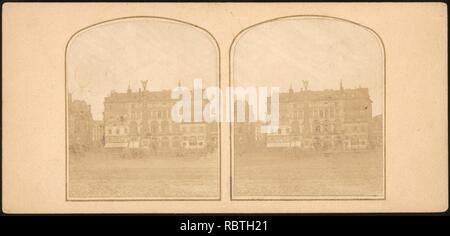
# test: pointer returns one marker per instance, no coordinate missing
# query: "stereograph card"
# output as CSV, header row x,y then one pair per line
x,y
224,108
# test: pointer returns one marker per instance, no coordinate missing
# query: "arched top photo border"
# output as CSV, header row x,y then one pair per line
x,y
126,18
242,32
231,83
114,20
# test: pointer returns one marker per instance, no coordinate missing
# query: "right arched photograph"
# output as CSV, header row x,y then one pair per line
x,y
315,128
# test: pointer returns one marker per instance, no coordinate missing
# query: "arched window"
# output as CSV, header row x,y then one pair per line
x,y
326,126
164,126
295,127
154,127
192,141
316,126
144,127
133,128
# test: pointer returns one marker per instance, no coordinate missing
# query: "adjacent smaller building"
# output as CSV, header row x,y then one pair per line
x,y
98,133
376,132
80,124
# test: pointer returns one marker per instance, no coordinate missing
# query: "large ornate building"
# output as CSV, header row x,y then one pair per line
x,y
142,119
327,120
324,120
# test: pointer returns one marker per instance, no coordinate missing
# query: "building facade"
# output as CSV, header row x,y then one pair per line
x,y
80,125
245,133
327,120
376,132
98,136
142,119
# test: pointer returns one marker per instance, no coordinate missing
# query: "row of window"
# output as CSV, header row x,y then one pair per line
x,y
316,113
149,105
317,104
123,106
185,141
155,128
151,115
356,128
349,139
296,128
175,144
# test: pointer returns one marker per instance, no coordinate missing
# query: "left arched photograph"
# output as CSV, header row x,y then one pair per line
x,y
122,141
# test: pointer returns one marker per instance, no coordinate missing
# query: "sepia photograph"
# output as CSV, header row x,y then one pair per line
x,y
122,142
329,139
224,108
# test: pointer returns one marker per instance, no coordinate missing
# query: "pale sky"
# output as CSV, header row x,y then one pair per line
x,y
324,51
321,50
115,54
